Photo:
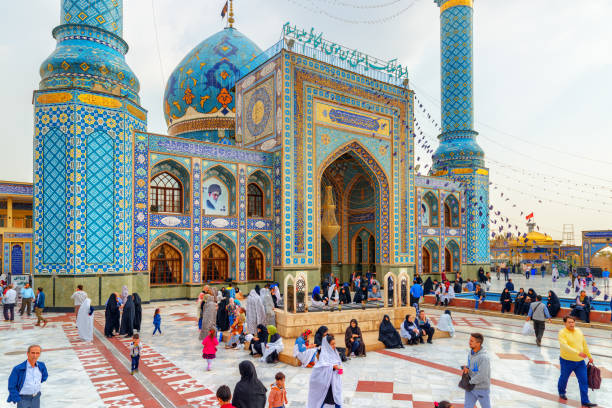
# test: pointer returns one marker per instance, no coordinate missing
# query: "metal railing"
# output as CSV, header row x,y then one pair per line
x,y
22,222
331,59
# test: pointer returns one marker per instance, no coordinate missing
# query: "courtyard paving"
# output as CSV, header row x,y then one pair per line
x,y
172,372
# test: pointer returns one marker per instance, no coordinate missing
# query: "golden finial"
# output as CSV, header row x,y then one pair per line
x,y
231,20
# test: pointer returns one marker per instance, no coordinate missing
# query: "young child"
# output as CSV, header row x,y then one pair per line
x,y
231,311
278,393
236,329
135,353
157,322
224,396
210,343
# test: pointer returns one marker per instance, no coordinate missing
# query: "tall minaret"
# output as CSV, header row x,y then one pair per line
x,y
85,113
459,155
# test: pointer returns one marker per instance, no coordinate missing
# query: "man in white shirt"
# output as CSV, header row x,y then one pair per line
x,y
79,297
9,300
27,296
25,380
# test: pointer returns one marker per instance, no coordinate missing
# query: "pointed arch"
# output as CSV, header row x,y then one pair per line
x,y
379,177
228,245
260,179
222,174
451,212
169,187
259,269
431,215
177,243
453,250
431,257
215,263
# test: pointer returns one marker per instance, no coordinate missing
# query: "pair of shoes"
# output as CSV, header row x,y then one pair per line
x,y
539,343
132,372
563,397
37,324
590,404
44,324
429,341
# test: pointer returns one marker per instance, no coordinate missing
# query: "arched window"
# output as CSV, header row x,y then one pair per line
x,y
426,261
255,201
431,213
214,263
371,250
447,216
448,261
326,251
255,264
451,212
166,265
358,253
166,194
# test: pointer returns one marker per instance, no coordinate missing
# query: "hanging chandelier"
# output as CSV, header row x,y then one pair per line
x,y
329,224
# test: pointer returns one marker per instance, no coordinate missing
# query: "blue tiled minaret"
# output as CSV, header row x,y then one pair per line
x,y
85,112
459,156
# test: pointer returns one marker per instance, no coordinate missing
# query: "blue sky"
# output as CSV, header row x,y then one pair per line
x,y
542,81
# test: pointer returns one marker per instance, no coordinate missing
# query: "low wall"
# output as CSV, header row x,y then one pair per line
x,y
596,316
291,325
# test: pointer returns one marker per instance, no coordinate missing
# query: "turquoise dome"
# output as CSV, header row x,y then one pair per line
x,y
199,93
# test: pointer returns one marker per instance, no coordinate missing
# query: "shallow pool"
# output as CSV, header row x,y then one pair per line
x,y
494,297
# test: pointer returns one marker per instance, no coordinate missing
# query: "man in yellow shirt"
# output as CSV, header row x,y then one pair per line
x,y
573,350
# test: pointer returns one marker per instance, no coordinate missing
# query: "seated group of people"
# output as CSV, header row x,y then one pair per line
x,y
522,301
335,294
267,343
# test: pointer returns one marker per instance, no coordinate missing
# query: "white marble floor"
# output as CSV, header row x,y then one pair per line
x,y
91,375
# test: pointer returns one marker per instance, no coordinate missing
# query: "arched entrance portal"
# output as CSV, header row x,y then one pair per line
x,y
357,184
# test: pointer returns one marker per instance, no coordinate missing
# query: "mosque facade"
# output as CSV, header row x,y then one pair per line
x,y
261,145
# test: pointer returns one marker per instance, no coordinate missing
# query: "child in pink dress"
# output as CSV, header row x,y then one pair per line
x,y
210,343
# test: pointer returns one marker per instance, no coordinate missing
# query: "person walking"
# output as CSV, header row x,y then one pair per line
x,y
8,304
573,350
538,312
27,296
78,297
25,381
39,306
479,369
135,353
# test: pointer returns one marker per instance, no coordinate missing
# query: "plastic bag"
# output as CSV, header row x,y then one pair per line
x,y
528,329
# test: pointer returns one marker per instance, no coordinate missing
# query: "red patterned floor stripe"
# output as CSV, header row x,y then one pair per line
x,y
176,385
115,386
499,383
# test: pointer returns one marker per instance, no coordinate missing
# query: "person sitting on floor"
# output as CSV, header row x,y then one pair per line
x,y
425,326
353,339
410,331
582,308
305,351
259,340
274,346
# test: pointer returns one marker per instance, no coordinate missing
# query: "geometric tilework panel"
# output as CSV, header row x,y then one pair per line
x,y
105,14
54,197
100,198
456,70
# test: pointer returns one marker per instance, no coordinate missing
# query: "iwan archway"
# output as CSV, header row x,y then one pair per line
x,y
353,205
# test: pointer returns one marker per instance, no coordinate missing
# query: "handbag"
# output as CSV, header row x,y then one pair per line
x,y
464,383
593,377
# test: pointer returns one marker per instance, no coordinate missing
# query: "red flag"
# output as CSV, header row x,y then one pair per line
x,y
224,11
529,216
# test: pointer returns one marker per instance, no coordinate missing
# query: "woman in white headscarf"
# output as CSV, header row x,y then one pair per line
x,y
85,321
268,303
124,294
445,323
255,312
325,388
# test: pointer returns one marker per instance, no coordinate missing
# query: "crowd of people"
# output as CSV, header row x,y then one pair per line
x,y
249,322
